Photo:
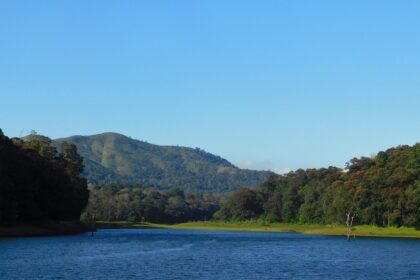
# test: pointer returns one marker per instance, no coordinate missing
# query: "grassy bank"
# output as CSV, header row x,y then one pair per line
x,y
363,230
122,224
65,228
48,228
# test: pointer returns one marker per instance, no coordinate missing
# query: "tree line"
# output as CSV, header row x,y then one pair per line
x,y
38,183
135,203
383,190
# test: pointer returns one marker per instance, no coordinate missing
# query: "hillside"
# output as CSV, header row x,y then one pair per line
x,y
112,157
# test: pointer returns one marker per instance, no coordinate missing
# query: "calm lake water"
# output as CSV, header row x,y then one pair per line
x,y
184,254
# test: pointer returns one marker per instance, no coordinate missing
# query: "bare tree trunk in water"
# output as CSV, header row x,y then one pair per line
x,y
93,225
349,224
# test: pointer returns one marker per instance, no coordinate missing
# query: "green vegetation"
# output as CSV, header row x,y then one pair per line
x,y
136,203
39,185
383,191
124,224
363,230
114,158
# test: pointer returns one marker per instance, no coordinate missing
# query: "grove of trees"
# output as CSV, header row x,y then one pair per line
x,y
37,183
383,190
137,204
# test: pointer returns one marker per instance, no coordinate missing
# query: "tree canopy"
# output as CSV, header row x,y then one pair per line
x,y
383,190
38,183
137,203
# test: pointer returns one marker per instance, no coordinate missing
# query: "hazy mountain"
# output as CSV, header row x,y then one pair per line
x,y
112,157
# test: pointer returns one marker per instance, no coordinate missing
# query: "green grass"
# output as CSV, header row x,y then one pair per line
x,y
123,224
74,228
363,230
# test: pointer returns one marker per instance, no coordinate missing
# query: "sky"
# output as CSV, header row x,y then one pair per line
x,y
276,85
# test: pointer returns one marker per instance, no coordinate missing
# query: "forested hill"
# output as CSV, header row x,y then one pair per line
x,y
115,158
383,190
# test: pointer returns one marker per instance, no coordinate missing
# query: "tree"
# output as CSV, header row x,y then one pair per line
x,y
244,204
311,211
414,160
272,207
74,162
34,184
412,209
42,145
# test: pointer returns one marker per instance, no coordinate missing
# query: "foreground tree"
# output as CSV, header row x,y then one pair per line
x,y
35,184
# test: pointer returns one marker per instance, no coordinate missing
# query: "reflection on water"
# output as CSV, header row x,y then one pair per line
x,y
182,254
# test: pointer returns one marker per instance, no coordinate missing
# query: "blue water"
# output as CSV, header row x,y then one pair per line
x,y
184,254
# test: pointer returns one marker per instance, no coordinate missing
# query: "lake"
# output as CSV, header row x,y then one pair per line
x,y
186,254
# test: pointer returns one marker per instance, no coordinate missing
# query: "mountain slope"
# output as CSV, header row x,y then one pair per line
x,y
112,157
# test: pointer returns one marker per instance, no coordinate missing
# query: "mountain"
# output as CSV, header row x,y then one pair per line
x,y
115,158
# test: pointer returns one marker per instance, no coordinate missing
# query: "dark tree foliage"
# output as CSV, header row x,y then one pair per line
x,y
137,203
37,183
383,190
242,205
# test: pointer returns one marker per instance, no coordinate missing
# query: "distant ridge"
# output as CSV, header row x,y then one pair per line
x,y
115,158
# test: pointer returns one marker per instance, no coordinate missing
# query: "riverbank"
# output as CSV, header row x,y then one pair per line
x,y
68,228
362,230
48,228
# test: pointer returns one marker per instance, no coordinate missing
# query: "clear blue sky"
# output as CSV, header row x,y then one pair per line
x,y
265,84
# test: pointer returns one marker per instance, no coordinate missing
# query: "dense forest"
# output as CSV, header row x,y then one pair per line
x,y
112,158
137,204
40,181
37,183
383,190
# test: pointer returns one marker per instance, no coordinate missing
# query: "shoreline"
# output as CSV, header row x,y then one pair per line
x,y
73,228
329,230
47,228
